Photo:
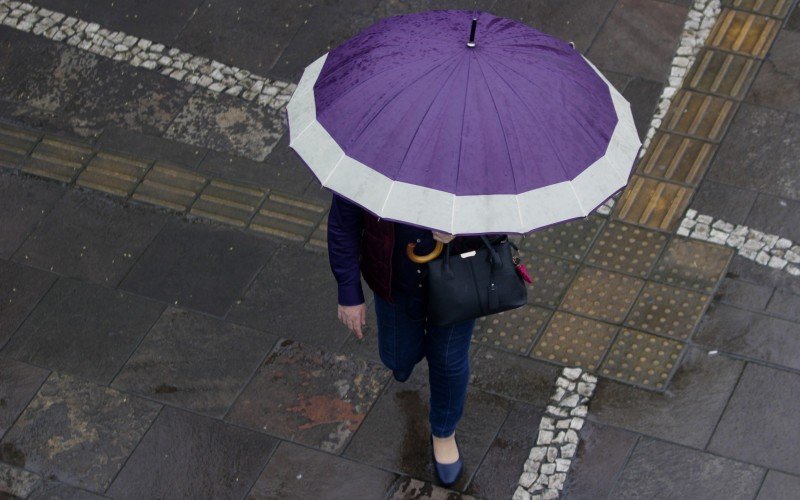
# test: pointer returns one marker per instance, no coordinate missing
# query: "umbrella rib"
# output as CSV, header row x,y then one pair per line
x,y
460,144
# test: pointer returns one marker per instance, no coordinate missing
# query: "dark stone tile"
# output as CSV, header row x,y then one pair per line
x,y
24,201
757,154
194,361
69,7
77,432
189,456
793,22
22,288
570,20
722,201
685,413
298,472
786,304
396,433
776,216
639,38
665,470
779,486
290,274
643,95
147,146
388,8
778,82
50,490
692,264
760,422
228,124
198,265
408,488
751,334
91,237
499,472
309,396
753,272
18,383
16,482
618,80
743,294
316,193
513,376
601,454
133,98
83,329
25,115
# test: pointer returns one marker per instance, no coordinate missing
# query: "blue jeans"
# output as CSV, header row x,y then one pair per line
x,y
404,339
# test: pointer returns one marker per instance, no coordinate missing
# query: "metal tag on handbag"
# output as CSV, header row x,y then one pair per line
x,y
469,286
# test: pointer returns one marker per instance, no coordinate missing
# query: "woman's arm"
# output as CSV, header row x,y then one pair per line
x,y
345,225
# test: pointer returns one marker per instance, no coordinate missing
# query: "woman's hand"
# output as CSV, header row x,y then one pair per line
x,y
443,237
353,317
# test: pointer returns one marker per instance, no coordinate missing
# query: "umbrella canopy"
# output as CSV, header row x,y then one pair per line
x,y
517,132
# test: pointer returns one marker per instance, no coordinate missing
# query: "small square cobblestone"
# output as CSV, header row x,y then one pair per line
x,y
512,330
627,249
692,264
602,294
667,310
642,359
574,341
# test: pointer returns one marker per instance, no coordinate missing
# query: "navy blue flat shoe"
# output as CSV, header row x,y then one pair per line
x,y
447,473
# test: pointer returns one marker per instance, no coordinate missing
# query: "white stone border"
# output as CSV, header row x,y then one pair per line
x,y
140,52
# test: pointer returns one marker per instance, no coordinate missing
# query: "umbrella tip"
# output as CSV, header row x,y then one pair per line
x,y
471,42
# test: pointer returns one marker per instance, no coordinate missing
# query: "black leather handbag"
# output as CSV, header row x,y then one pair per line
x,y
473,284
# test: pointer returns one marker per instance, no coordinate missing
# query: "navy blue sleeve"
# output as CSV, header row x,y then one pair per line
x,y
345,225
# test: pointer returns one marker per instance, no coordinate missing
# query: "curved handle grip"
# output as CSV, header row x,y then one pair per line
x,y
423,259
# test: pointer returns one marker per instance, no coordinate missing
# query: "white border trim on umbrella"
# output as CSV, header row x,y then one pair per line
x,y
446,212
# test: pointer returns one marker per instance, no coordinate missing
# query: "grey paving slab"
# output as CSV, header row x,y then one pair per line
x,y
408,488
194,361
753,272
184,455
643,95
571,20
601,455
83,329
743,294
775,215
723,201
499,471
786,304
779,486
793,20
77,432
292,277
16,482
22,288
686,413
18,383
756,154
198,265
150,147
639,38
229,124
24,202
49,490
396,434
657,469
513,376
778,82
297,472
750,334
760,424
91,237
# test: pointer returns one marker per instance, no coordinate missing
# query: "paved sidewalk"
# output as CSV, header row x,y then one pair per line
x,y
167,313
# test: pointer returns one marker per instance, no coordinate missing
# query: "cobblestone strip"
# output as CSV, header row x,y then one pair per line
x,y
766,249
702,16
546,468
168,61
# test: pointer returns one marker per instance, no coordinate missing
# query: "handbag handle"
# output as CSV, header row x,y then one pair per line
x,y
494,257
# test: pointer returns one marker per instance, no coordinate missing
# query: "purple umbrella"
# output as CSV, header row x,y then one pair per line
x,y
509,132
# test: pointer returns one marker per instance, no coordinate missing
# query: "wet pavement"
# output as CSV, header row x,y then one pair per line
x,y
167,312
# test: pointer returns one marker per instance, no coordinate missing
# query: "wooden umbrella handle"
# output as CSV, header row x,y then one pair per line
x,y
423,259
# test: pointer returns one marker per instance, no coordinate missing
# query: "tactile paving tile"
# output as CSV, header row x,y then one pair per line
x,y
667,310
776,8
57,158
692,264
570,240
15,144
642,359
513,330
700,115
574,341
602,294
627,249
319,238
653,203
743,33
722,73
113,173
551,276
170,186
228,202
287,217
676,158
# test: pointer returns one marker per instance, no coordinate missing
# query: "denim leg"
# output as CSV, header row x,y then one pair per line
x,y
401,332
448,363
